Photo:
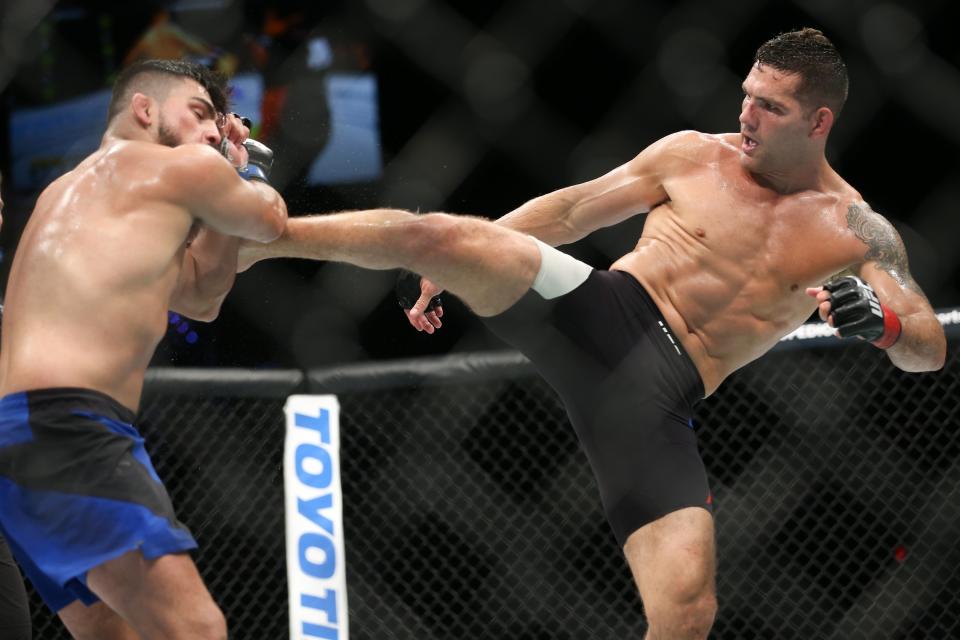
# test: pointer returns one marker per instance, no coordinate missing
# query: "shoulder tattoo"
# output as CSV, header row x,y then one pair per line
x,y
884,246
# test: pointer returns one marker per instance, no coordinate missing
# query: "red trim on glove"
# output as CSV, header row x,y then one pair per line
x,y
891,329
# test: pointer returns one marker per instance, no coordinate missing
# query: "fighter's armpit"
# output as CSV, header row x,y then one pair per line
x,y
884,246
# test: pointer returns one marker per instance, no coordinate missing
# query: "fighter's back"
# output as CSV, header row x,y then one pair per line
x,y
93,275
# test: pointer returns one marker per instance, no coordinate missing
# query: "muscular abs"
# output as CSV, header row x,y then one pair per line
x,y
728,261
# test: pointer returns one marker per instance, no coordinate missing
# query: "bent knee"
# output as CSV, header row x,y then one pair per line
x,y
212,623
689,619
206,623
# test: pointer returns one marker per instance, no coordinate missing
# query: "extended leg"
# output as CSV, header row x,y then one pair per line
x,y
488,266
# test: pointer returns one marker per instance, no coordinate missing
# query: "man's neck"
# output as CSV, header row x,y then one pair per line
x,y
118,131
809,176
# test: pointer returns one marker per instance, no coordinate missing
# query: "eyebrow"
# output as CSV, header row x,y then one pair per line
x,y
769,101
211,111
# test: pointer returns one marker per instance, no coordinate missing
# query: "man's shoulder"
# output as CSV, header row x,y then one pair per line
x,y
696,143
846,197
682,148
136,152
164,173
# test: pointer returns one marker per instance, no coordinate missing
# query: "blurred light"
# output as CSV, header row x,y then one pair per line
x,y
900,553
493,83
174,317
192,337
319,54
395,9
692,62
580,6
196,5
183,327
413,193
894,37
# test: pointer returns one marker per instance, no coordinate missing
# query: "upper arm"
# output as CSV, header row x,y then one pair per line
x,y
634,187
201,180
885,264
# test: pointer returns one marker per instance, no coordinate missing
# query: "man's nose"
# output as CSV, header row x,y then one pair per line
x,y
211,135
746,115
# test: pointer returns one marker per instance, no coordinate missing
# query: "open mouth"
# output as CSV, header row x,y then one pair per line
x,y
749,144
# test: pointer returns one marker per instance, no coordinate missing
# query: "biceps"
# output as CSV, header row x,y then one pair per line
x,y
613,201
227,208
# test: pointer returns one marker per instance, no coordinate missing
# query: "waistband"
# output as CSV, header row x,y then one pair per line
x,y
677,345
72,398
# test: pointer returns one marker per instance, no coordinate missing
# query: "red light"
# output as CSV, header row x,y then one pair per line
x,y
900,553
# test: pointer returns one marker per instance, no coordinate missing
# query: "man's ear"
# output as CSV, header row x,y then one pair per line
x,y
822,122
144,109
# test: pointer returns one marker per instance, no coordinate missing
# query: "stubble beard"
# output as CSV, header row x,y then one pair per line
x,y
166,136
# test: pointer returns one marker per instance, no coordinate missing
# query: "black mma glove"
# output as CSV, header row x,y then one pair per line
x,y
260,162
857,313
408,291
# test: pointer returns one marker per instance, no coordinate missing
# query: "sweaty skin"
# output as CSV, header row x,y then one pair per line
x,y
728,260
106,249
743,229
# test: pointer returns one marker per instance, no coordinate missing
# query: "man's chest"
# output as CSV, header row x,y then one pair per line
x,y
783,240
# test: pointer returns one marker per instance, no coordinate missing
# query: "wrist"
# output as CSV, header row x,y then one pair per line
x,y
891,329
253,172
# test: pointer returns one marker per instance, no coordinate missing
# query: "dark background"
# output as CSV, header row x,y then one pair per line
x,y
483,105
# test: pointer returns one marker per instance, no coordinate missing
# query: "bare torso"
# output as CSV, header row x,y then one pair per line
x,y
728,260
92,278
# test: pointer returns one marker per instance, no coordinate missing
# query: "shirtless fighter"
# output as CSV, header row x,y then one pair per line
x,y
743,230
150,221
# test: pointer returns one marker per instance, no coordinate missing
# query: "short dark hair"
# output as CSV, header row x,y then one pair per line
x,y
809,54
137,76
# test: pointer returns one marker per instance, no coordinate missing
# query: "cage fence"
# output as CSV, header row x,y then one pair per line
x,y
470,511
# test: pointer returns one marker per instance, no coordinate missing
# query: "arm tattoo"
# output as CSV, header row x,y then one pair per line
x,y
884,245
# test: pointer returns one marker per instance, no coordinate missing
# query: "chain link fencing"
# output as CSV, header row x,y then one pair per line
x,y
470,511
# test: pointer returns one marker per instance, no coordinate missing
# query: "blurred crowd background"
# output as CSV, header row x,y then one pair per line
x,y
471,108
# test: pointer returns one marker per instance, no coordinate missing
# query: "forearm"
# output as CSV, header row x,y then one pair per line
x,y
547,218
921,346
207,275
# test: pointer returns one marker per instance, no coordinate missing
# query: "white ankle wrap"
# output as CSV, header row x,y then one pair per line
x,y
559,273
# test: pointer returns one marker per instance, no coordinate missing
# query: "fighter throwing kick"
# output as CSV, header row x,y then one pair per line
x,y
743,231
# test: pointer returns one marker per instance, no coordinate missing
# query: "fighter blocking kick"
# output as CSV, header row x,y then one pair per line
x,y
747,235
149,222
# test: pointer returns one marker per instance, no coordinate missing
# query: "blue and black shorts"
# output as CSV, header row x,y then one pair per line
x,y
77,489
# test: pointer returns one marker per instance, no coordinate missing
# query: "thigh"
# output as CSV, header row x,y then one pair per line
x,y
673,558
158,597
